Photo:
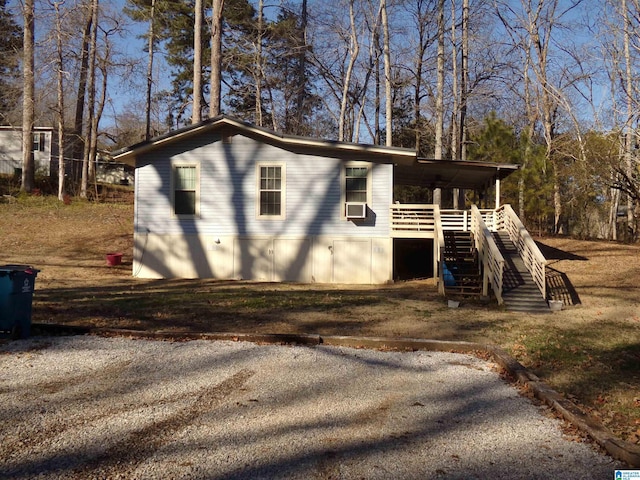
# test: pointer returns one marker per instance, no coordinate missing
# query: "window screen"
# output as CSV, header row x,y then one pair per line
x,y
356,188
185,182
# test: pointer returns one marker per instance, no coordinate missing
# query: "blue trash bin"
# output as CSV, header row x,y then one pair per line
x,y
17,283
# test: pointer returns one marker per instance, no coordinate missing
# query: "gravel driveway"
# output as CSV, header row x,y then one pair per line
x,y
90,407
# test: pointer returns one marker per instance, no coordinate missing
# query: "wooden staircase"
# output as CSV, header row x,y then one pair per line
x,y
520,293
462,275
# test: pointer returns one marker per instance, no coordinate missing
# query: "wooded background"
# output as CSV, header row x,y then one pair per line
x,y
551,85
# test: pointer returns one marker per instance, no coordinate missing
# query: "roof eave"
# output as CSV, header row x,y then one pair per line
x,y
129,154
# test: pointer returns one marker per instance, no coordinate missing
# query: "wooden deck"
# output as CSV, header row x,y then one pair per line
x,y
429,221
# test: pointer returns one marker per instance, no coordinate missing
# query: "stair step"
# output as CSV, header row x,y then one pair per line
x,y
520,292
462,263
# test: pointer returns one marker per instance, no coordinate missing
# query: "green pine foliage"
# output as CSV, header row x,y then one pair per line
x,y
10,52
496,141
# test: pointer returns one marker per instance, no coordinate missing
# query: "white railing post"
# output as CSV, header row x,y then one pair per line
x,y
438,254
492,260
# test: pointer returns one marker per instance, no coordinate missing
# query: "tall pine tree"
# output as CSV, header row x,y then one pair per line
x,y
10,50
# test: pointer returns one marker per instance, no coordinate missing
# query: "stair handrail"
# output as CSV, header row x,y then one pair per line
x,y
527,248
489,254
439,245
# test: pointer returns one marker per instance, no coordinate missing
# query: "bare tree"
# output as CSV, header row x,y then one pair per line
x,y
628,130
437,193
216,58
60,97
196,113
150,54
77,133
387,73
258,71
354,49
422,14
87,160
28,109
464,80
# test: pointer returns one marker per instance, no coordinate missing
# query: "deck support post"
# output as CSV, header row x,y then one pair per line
x,y
485,281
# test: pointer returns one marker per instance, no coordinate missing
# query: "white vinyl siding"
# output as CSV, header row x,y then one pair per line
x,y
313,192
11,151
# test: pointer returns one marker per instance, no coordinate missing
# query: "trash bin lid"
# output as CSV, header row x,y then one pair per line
x,y
5,269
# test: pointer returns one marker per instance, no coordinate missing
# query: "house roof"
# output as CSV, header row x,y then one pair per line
x,y
19,129
408,168
292,142
452,174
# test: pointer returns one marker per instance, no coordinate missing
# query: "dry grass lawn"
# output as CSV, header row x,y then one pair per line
x,y
590,352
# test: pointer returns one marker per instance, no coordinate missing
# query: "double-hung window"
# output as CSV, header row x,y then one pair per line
x,y
356,190
271,198
185,190
38,142
356,184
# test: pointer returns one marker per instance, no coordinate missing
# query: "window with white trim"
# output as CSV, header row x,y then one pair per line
x,y
185,190
38,142
271,191
356,184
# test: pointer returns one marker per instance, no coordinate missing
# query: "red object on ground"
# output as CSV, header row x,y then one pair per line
x,y
114,259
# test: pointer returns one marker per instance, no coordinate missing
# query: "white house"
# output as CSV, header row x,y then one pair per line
x,y
11,150
225,199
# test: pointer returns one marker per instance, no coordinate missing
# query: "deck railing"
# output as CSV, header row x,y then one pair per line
x,y
413,220
527,248
418,220
438,242
460,220
489,254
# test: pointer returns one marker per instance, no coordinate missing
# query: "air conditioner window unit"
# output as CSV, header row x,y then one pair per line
x,y
356,210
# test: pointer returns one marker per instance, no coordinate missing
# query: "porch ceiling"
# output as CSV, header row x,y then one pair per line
x,y
451,174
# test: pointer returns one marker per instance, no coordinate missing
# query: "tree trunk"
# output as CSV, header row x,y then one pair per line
x,y
354,49
77,136
455,125
301,77
196,114
629,128
28,166
258,71
464,80
60,95
613,214
87,167
93,152
376,117
437,193
150,52
417,87
454,87
216,58
387,74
